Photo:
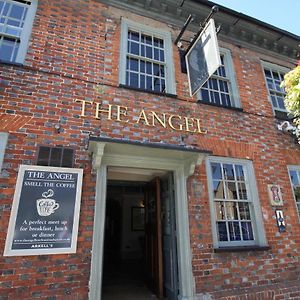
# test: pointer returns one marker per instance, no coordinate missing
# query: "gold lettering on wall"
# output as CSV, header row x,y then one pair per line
x,y
98,111
151,118
143,116
83,105
122,112
162,121
170,121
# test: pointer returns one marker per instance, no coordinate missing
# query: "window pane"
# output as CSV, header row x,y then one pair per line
x,y
232,210
148,83
142,66
158,42
157,86
132,35
43,157
156,69
268,73
133,64
244,211
162,71
231,190
148,39
239,172
280,102
218,190
242,191
149,52
55,158
234,231
133,79
156,54
7,48
228,171
149,68
247,231
216,171
222,231
220,210
142,82
163,85
16,11
162,55
67,160
217,98
133,48
294,177
204,95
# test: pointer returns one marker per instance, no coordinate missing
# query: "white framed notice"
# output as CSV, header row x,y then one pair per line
x,y
45,211
275,195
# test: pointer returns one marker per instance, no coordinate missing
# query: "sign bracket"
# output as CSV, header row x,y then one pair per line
x,y
190,19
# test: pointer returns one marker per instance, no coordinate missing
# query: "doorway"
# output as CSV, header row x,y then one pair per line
x,y
107,153
140,255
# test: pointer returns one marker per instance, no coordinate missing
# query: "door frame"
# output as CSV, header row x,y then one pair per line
x,y
182,163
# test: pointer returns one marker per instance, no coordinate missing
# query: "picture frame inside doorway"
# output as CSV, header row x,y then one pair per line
x,y
137,218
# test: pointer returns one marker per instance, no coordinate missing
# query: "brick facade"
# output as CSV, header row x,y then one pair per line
x,y
74,55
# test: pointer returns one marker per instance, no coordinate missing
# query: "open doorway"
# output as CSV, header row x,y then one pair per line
x,y
140,259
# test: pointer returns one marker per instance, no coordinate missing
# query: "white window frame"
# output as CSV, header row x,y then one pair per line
x,y
26,31
164,35
3,142
232,83
277,68
297,169
252,194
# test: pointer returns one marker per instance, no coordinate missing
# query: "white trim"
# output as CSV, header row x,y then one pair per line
x,y
168,46
297,169
258,230
3,142
26,31
116,155
8,251
232,77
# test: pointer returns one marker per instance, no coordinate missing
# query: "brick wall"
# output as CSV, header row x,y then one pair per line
x,y
73,54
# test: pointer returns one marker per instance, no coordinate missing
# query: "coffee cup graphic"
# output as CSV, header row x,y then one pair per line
x,y
46,206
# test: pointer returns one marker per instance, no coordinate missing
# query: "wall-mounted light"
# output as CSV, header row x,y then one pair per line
x,y
286,126
57,127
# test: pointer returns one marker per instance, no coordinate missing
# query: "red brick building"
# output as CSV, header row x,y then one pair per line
x,y
191,197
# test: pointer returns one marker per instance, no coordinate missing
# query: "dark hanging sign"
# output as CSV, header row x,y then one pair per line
x,y
45,211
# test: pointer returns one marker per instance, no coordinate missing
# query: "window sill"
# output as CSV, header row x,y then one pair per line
x,y
11,63
147,91
221,106
283,115
242,249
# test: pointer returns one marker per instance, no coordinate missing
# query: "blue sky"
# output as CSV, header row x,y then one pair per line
x,y
284,14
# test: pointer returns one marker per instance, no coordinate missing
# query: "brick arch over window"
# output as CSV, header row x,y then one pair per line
x,y
229,148
12,123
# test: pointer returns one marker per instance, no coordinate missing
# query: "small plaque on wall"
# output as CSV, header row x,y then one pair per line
x,y
45,211
275,195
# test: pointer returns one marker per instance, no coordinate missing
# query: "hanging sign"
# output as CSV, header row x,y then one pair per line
x,y
45,211
203,59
